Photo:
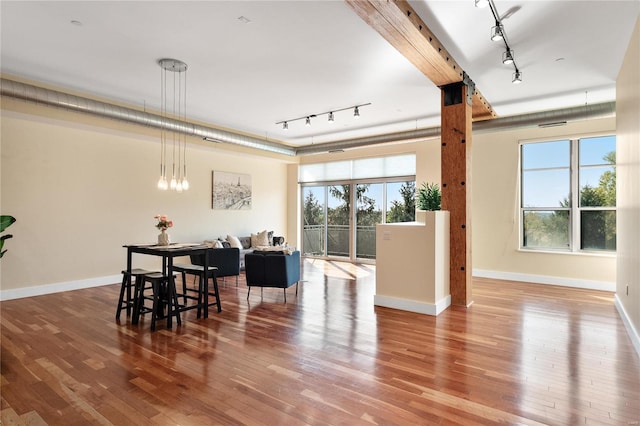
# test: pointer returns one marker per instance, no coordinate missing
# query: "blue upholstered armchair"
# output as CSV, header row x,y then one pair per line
x,y
272,269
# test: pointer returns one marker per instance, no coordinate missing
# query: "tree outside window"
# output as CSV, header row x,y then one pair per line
x,y
580,219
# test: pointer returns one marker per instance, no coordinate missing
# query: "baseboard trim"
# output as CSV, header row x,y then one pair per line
x,y
40,290
413,305
546,279
631,331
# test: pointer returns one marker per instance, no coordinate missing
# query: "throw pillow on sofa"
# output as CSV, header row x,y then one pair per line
x,y
234,241
260,239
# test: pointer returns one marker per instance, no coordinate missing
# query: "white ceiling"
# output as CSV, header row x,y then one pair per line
x,y
296,58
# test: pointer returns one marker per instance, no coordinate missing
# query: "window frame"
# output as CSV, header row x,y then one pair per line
x,y
575,209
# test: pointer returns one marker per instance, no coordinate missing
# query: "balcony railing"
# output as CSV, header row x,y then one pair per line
x,y
338,241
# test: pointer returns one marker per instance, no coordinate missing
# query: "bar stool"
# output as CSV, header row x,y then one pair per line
x,y
129,280
159,284
203,283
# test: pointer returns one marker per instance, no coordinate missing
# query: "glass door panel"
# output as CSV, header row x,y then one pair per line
x,y
369,202
338,213
313,216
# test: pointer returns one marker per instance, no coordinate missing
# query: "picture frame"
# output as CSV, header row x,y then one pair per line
x,y
230,191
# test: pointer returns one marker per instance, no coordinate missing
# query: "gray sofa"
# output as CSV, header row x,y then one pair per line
x,y
247,248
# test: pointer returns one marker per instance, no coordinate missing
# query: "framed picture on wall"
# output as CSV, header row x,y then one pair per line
x,y
230,191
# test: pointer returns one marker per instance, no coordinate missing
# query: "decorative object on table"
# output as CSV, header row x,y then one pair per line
x,y
5,222
429,197
173,94
230,191
163,224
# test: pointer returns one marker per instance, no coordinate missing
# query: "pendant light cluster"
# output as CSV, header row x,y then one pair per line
x,y
173,100
498,33
329,114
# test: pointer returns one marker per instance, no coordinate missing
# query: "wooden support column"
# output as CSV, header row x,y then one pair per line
x,y
456,185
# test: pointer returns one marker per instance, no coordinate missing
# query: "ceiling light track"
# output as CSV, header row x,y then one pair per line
x,y
330,114
498,33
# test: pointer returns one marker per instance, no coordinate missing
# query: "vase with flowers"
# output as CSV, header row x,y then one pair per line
x,y
163,224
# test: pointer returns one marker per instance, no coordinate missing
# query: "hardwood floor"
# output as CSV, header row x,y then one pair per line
x,y
521,354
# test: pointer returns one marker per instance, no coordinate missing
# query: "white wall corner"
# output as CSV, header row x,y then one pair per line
x,y
633,333
412,305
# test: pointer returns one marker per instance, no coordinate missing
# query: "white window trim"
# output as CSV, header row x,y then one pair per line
x,y
574,211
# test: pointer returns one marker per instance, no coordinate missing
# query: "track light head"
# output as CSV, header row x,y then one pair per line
x,y
285,126
307,121
331,117
507,57
482,3
517,77
356,112
497,32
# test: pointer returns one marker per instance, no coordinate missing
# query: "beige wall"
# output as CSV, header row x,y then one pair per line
x,y
80,191
495,239
628,191
495,213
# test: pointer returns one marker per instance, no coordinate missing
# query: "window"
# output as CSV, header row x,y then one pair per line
x,y
568,194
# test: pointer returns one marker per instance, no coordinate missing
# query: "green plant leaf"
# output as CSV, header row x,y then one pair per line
x,y
429,197
6,221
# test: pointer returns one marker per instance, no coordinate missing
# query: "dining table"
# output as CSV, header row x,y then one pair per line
x,y
168,253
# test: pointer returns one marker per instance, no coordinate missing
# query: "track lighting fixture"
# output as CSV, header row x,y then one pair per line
x,y
498,33
517,77
507,57
330,115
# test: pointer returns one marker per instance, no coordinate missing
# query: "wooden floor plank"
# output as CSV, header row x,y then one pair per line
x,y
521,354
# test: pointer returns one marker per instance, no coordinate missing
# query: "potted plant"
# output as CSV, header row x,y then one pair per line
x,y
429,197
5,222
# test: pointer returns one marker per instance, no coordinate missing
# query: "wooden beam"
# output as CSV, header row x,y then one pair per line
x,y
456,187
401,26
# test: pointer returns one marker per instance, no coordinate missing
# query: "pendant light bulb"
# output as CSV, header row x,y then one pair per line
x,y
331,117
285,126
161,182
179,186
356,112
173,183
185,183
308,122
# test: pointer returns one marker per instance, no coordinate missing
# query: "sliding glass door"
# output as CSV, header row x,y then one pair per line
x,y
330,210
